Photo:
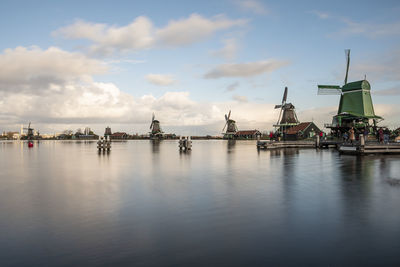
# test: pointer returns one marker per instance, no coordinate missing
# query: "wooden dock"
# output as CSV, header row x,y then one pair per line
x,y
369,148
330,143
284,144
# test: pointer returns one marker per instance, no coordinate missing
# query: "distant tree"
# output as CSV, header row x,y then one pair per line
x,y
68,132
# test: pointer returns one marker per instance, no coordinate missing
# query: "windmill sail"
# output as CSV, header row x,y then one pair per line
x,y
230,125
329,90
285,95
347,52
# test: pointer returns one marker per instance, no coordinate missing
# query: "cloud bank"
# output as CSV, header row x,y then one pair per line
x,y
55,90
142,34
160,79
244,69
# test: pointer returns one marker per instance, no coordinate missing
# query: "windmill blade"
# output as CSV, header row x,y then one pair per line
x,y
284,95
347,52
152,121
29,126
226,117
224,126
278,106
329,90
229,114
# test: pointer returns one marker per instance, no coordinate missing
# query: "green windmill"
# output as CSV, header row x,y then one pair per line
x,y
355,106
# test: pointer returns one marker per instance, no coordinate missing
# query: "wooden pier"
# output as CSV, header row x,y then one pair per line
x,y
368,148
284,144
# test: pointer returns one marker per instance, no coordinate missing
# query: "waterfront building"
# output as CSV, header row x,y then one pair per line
x,y
303,130
247,134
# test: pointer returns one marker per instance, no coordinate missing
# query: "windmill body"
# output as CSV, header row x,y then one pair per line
x,y
287,114
355,105
230,126
29,132
156,132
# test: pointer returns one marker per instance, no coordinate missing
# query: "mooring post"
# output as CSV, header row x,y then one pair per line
x,y
362,142
317,141
189,145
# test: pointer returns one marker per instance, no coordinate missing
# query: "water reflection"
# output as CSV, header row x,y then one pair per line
x,y
155,146
146,203
231,145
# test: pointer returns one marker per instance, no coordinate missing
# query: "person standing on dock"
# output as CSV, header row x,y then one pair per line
x,y
345,137
351,135
366,132
386,135
380,132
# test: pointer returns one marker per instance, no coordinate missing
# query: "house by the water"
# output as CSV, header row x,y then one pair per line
x,y
303,130
247,134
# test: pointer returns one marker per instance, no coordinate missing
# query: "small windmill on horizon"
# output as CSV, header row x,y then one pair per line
x,y
230,126
156,132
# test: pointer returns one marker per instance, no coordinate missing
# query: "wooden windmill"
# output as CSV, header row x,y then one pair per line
x,y
287,114
230,125
29,131
355,106
155,128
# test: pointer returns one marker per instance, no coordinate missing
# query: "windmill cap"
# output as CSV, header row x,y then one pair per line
x,y
364,85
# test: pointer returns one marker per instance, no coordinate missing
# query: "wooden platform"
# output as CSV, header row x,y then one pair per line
x,y
370,148
330,143
284,144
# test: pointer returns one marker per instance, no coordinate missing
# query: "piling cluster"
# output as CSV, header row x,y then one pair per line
x,y
104,144
185,143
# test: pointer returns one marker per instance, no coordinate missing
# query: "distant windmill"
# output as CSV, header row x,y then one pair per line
x,y
287,114
155,128
355,106
230,126
30,131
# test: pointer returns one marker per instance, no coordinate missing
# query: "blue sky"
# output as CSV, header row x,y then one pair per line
x,y
71,64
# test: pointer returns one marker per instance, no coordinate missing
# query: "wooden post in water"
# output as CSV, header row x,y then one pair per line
x,y
317,141
362,142
185,143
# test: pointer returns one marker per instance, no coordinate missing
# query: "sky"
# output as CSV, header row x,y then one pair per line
x,y
76,64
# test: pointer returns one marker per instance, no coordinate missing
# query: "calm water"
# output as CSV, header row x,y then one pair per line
x,y
223,204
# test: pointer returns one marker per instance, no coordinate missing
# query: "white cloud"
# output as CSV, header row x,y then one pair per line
x,y
71,99
106,39
240,98
367,29
254,6
381,67
370,30
244,69
320,14
194,29
229,50
232,87
160,79
141,34
36,70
